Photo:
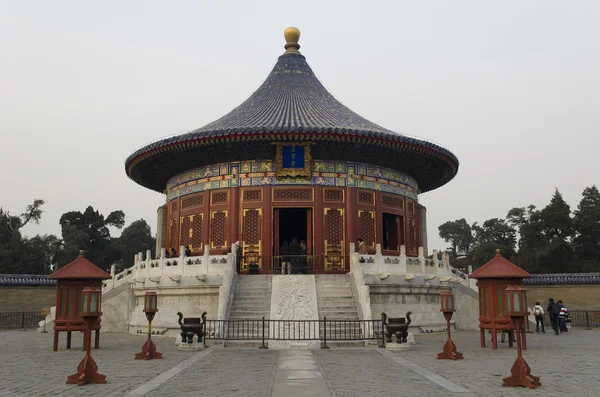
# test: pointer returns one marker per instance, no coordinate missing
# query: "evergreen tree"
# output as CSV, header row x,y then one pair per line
x,y
587,228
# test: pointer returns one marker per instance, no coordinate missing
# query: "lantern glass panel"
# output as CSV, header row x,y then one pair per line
x,y
153,302
444,304
516,301
93,302
524,302
451,302
147,302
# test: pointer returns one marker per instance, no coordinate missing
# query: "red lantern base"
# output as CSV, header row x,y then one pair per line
x,y
87,372
449,352
521,376
148,352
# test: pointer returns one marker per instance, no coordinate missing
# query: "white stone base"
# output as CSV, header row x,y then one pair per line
x,y
398,346
192,347
411,338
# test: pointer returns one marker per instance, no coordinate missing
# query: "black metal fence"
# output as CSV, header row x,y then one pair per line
x,y
294,330
580,318
20,320
293,264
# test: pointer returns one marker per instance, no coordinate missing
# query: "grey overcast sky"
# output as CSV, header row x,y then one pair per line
x,y
511,87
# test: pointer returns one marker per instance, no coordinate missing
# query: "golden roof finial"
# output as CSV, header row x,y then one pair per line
x,y
81,254
497,251
292,35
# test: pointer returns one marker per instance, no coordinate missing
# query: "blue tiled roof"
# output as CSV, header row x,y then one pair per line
x,y
26,280
563,278
291,101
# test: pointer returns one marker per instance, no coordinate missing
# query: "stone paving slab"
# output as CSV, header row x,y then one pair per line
x,y
225,373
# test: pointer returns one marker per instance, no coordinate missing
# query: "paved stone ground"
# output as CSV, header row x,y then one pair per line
x,y
567,364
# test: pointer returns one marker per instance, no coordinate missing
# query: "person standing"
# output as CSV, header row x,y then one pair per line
x,y
553,311
295,252
304,258
562,317
284,252
539,317
362,246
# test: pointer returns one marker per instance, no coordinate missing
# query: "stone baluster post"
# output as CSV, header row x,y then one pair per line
x,y
352,248
206,258
403,269
436,262
378,258
112,273
422,260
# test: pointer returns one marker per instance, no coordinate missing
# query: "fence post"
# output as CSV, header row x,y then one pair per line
x,y
324,345
382,332
204,333
587,321
22,320
263,335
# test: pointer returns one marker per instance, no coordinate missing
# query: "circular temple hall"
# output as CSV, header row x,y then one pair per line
x,y
292,162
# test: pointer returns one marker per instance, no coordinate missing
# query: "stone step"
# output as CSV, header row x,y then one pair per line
x,y
243,306
344,304
249,313
332,296
250,295
335,289
341,311
246,318
327,294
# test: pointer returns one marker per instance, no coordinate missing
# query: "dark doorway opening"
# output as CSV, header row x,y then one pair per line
x,y
292,224
393,236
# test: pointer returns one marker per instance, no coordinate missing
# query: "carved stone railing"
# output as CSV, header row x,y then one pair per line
x,y
148,269
429,268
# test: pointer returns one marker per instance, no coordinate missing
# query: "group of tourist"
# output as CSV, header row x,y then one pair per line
x,y
294,258
558,313
172,253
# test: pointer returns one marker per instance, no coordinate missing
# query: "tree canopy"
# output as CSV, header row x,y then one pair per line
x,y
88,230
550,240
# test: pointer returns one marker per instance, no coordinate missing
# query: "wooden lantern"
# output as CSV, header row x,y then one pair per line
x,y
149,348
516,308
449,350
71,280
492,279
90,311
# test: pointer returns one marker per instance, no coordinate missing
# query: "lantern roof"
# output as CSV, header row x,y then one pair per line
x,y
291,105
80,269
499,267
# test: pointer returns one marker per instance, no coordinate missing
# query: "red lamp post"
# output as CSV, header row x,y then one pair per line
x,y
149,348
87,370
449,351
516,301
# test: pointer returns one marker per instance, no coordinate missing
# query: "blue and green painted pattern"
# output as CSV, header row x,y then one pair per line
x,y
262,172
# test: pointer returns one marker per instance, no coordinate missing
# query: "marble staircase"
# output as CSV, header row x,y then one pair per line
x,y
335,301
251,301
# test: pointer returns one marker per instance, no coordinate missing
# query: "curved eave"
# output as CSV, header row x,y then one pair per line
x,y
160,149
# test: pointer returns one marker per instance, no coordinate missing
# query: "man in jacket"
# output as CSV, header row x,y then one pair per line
x,y
539,317
553,311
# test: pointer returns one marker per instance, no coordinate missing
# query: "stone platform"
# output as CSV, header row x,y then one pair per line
x,y
567,364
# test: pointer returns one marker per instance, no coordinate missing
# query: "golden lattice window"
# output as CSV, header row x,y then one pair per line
x,y
334,195
366,198
393,201
293,195
219,198
193,201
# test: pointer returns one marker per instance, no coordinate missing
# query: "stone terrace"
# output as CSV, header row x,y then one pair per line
x,y
567,364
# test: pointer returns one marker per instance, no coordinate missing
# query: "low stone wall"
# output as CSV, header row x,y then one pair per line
x,y
26,299
575,297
